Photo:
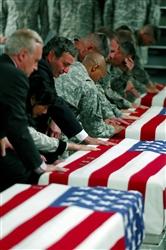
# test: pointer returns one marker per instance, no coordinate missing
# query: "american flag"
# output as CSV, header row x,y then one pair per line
x,y
63,217
150,99
151,125
129,165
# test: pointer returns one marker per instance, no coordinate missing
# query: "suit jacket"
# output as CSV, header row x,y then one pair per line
x,y
14,87
60,111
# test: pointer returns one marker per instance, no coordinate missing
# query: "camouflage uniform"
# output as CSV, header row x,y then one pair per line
x,y
119,81
111,95
16,14
140,74
78,89
106,105
75,17
134,13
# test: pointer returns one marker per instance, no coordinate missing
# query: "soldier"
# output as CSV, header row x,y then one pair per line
x,y
79,90
18,14
122,63
112,95
132,13
146,35
75,18
100,42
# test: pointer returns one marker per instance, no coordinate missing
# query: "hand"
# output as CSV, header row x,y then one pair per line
x,y
118,129
4,143
130,117
116,121
2,39
130,88
123,122
52,168
135,106
54,130
143,107
113,121
76,147
43,158
129,63
3,146
159,85
152,89
96,141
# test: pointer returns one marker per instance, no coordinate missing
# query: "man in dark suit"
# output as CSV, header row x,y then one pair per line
x,y
23,163
58,55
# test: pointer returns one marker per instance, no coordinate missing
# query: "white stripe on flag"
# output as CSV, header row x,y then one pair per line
x,y
160,133
116,179
38,202
100,238
54,229
158,100
154,210
138,100
9,193
81,176
134,130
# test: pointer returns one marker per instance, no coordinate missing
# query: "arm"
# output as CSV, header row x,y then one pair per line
x,y
113,96
109,110
45,143
63,116
13,96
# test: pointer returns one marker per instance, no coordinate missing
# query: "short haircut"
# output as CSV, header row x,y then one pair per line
x,y
59,45
21,39
124,35
100,41
151,30
123,27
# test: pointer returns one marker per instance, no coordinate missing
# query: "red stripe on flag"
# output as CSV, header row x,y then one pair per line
x,y
27,228
119,245
165,102
147,99
138,181
18,199
148,130
100,176
81,231
164,198
59,177
138,112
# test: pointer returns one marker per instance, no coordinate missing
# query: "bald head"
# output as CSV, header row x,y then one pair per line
x,y
95,65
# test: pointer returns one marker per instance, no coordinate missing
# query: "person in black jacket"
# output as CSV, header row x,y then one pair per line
x,y
23,50
58,55
40,97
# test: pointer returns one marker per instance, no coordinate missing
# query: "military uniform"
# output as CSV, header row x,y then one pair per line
x,y
119,81
78,89
134,13
75,17
107,106
17,14
113,96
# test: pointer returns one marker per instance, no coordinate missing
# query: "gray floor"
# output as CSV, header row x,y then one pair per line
x,y
154,242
